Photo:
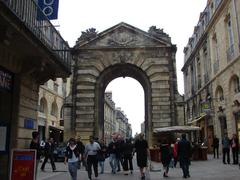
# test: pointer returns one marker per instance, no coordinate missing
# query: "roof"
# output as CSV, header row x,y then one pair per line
x,y
176,129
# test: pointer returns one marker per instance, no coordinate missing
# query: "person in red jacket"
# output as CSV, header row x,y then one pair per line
x,y
175,152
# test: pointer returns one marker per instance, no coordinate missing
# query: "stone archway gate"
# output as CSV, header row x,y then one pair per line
x,y
120,51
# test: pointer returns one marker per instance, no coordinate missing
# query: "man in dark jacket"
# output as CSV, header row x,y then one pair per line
x,y
215,146
184,153
48,153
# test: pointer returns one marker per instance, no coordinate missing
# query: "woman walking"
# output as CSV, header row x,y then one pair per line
x,y
127,156
166,156
72,157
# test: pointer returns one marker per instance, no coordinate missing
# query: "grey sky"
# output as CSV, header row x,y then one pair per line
x,y
176,17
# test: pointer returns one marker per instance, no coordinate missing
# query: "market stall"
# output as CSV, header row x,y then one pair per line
x,y
199,151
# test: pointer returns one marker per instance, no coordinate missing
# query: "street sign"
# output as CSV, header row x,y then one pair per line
x,y
23,163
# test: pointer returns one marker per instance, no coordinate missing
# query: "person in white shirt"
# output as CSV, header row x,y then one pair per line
x,y
72,157
91,151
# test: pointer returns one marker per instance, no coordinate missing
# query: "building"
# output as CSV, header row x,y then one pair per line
x,y
123,51
109,117
122,123
28,58
50,113
211,71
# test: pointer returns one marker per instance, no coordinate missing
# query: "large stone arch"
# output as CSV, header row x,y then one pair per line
x,y
111,73
123,50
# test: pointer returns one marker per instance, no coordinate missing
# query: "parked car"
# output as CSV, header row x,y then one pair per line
x,y
59,152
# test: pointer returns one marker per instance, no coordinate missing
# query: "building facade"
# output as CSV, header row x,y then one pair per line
x,y
211,71
109,117
27,60
122,121
50,112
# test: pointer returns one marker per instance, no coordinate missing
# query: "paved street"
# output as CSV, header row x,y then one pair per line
x,y
213,169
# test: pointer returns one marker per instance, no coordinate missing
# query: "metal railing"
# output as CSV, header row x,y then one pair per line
x,y
34,19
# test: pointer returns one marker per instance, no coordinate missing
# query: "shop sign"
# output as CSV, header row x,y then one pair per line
x,y
29,123
23,163
6,80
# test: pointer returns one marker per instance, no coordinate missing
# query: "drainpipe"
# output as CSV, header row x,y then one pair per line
x,y
238,32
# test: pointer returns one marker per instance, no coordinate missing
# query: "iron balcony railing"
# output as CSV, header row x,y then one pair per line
x,y
34,19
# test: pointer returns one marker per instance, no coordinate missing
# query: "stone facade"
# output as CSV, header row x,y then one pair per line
x,y
50,108
120,51
26,61
211,70
109,117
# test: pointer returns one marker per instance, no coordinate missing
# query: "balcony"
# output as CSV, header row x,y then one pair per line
x,y
23,17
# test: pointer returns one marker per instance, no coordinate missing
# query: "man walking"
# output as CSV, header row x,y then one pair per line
x,y
91,150
215,147
48,153
226,149
184,153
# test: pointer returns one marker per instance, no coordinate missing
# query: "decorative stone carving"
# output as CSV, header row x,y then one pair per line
x,y
88,35
122,39
122,56
158,33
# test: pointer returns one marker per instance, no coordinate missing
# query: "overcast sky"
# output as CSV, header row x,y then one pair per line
x,y
176,17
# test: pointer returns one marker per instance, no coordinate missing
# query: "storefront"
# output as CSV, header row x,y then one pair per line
x,y
56,134
6,99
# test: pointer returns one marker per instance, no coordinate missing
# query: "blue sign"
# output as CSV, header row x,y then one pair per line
x,y
6,80
49,9
29,123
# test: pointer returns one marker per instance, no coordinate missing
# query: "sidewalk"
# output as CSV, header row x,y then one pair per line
x,y
212,169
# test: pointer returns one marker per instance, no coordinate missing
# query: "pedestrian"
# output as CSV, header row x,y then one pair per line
x,y
234,143
166,156
72,158
119,152
184,154
91,150
127,156
142,151
101,155
175,152
36,145
48,154
226,149
215,146
112,149
81,150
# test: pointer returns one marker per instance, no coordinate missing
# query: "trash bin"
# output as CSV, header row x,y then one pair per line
x,y
155,155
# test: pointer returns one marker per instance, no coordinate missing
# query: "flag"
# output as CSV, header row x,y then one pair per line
x,y
49,8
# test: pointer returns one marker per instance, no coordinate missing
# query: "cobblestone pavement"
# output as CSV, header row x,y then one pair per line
x,y
212,169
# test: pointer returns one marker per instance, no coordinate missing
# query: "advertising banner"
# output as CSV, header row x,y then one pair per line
x,y
23,162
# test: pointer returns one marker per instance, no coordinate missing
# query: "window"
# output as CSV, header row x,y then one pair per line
x,y
54,109
42,107
55,86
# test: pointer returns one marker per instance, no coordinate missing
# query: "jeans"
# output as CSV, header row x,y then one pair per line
x,y
101,164
226,152
72,168
113,162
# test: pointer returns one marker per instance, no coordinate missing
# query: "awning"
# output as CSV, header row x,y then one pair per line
x,y
176,129
197,119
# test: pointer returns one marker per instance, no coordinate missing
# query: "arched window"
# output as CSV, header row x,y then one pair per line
x,y
43,106
234,84
54,109
219,93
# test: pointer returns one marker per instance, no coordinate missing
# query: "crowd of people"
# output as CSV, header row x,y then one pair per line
x,y
120,153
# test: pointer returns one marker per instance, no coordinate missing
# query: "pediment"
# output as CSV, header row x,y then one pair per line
x,y
123,35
